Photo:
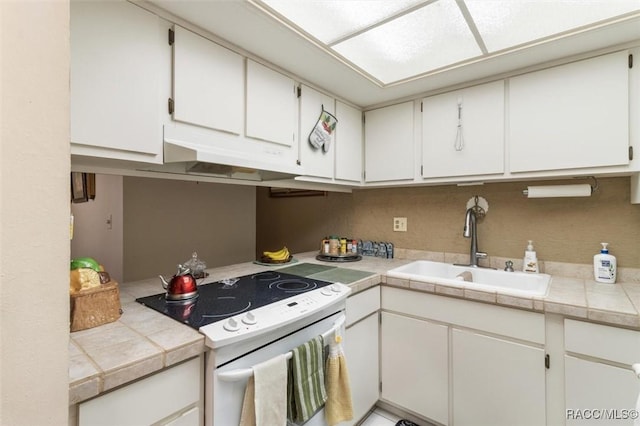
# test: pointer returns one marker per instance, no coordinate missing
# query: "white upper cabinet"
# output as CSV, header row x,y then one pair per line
x,y
389,143
271,105
320,161
119,80
570,116
463,132
348,143
208,83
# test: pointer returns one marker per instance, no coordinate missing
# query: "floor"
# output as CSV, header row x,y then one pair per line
x,y
381,418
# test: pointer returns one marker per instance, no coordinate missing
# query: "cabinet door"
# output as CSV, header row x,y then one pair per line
x,y
271,105
570,116
361,352
388,138
414,365
348,143
496,382
116,76
591,386
315,161
463,132
208,83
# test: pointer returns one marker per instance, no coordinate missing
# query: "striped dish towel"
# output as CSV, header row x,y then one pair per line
x,y
306,390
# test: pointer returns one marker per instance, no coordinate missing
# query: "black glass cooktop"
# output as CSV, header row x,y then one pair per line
x,y
222,299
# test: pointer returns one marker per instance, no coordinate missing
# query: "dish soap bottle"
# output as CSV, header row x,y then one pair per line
x,y
530,262
604,266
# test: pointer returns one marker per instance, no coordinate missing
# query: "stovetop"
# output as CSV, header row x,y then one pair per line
x,y
219,300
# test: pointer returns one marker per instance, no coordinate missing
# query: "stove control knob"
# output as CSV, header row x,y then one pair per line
x,y
249,319
326,291
336,288
231,325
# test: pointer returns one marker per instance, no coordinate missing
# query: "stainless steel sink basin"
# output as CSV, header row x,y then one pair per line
x,y
516,283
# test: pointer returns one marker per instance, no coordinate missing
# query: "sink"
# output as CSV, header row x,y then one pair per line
x,y
516,283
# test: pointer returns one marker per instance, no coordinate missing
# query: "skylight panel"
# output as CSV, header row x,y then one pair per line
x,y
429,38
504,24
331,20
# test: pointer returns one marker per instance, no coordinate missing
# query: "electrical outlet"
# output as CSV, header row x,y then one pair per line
x,y
400,224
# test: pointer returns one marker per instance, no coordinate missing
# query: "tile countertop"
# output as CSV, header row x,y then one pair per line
x,y
144,341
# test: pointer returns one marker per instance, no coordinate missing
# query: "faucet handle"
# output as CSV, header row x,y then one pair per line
x,y
508,266
481,255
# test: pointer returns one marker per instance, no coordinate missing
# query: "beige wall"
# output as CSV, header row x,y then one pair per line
x,y
166,220
563,230
300,222
34,214
92,236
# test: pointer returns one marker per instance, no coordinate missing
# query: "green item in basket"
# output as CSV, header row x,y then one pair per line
x,y
85,262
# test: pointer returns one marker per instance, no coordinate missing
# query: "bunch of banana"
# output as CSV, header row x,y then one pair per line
x,y
280,255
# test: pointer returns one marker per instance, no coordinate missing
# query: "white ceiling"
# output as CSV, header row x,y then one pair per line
x,y
371,59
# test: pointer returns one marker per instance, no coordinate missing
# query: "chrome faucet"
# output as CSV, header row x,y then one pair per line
x,y
471,231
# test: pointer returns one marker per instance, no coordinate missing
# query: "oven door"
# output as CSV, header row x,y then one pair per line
x,y
228,392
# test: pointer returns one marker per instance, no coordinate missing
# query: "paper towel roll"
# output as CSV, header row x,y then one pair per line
x,y
552,191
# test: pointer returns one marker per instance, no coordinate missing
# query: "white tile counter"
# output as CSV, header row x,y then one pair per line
x,y
144,341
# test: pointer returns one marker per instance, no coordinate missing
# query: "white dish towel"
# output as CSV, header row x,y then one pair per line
x,y
265,397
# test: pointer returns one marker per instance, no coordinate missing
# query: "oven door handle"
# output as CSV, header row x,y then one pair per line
x,y
244,373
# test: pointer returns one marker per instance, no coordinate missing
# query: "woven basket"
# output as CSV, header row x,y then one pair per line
x,y
93,307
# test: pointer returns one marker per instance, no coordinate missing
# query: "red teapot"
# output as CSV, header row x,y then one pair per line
x,y
182,286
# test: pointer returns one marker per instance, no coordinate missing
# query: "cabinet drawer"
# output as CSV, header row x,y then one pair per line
x,y
148,400
363,304
601,341
507,322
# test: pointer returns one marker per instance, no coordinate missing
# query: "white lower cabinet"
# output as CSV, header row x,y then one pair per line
x,y
459,362
597,393
361,351
170,397
600,386
414,367
496,381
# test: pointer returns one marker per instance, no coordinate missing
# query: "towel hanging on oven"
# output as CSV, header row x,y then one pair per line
x,y
306,389
339,407
265,401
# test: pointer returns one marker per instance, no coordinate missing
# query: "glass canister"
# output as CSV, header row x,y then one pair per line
x,y
334,245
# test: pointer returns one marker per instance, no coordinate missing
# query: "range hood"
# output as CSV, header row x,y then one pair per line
x,y
204,158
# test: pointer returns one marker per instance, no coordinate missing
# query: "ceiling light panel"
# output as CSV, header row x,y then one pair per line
x,y
429,38
331,20
504,24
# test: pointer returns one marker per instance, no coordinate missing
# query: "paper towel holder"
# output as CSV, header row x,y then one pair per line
x,y
564,190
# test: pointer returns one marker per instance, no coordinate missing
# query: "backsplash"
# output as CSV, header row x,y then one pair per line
x,y
564,230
